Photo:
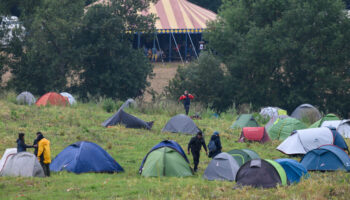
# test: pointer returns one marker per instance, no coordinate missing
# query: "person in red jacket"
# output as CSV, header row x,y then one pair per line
x,y
186,98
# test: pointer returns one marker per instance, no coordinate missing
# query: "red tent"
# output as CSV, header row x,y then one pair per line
x,y
52,98
257,134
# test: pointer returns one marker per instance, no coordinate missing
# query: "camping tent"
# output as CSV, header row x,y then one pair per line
x,y
25,98
273,121
243,155
127,103
129,121
306,111
7,153
82,157
222,167
245,120
328,117
166,159
294,170
272,112
261,173
70,98
22,164
284,127
342,126
181,124
326,158
51,98
257,134
303,141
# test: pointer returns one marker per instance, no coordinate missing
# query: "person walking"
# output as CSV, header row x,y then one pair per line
x,y
21,145
214,145
195,146
44,154
186,98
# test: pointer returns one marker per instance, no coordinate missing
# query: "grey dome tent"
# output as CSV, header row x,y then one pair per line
x,y
22,164
70,98
26,98
306,111
222,167
342,126
128,120
7,153
181,124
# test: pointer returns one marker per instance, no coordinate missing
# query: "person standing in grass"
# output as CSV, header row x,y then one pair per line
x,y
195,145
186,98
21,145
214,145
44,154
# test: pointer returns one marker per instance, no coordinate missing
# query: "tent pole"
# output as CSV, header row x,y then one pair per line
x,y
154,40
169,48
194,49
159,48
178,50
185,47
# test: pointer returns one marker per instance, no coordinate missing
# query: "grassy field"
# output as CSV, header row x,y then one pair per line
x,y
64,126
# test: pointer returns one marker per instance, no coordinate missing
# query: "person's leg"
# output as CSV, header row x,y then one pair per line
x,y
187,108
195,155
47,170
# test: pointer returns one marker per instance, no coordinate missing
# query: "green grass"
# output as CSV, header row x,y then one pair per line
x,y
64,126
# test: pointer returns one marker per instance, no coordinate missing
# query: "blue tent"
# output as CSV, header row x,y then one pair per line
x,y
338,139
293,169
326,158
166,143
82,157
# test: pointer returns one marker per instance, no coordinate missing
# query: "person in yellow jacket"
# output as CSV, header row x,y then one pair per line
x,y
44,154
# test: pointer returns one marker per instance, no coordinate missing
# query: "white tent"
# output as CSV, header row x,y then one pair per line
x,y
303,141
6,155
26,98
342,126
271,112
22,164
70,98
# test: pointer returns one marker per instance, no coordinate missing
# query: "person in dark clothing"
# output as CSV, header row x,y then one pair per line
x,y
21,145
186,98
214,140
195,145
35,143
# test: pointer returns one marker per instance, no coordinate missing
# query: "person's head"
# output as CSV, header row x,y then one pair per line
x,y
186,92
216,133
199,134
39,135
21,136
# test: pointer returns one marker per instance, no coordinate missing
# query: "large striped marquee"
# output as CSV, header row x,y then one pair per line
x,y
180,16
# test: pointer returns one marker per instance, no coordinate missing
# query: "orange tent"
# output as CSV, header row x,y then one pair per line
x,y
52,98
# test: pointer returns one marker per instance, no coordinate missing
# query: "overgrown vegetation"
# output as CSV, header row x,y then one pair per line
x,y
64,126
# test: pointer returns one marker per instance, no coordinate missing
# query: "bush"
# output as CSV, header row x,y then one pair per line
x,y
109,105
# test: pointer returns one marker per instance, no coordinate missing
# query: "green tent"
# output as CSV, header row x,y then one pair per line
x,y
328,117
284,127
243,155
245,120
166,161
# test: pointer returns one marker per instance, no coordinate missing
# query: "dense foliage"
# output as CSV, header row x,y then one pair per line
x,y
284,53
68,46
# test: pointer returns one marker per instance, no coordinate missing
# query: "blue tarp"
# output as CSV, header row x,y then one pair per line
x,y
166,143
84,157
326,158
294,170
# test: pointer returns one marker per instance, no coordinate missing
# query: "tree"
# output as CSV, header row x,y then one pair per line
x,y
110,66
43,60
208,88
284,53
212,5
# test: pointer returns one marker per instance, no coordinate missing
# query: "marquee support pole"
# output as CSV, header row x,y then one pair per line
x,y
138,40
186,47
169,48
194,49
177,47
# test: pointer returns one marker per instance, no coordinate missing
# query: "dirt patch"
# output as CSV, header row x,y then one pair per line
x,y
164,72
